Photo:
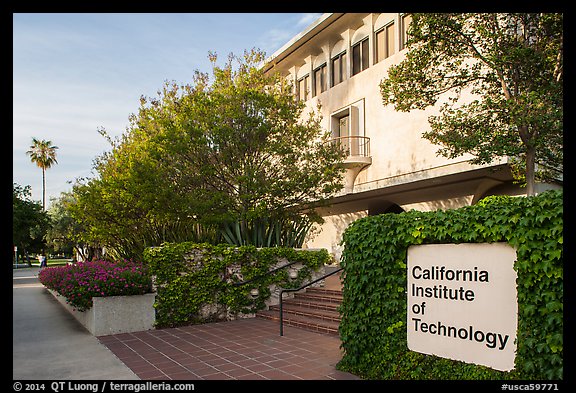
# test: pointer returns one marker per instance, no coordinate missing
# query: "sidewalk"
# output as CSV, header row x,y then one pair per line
x,y
48,343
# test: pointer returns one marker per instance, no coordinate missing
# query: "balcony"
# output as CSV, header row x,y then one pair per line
x,y
357,148
358,157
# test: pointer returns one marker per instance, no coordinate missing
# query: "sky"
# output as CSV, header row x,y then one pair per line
x,y
76,73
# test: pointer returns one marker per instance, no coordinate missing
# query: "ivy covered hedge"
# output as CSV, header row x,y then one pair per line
x,y
373,327
195,282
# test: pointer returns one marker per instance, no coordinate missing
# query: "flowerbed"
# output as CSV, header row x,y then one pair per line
x,y
81,282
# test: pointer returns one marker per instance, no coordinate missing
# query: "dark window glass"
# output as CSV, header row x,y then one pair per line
x,y
365,55
360,57
356,60
320,83
338,69
303,86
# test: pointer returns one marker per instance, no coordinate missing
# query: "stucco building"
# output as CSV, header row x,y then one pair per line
x,y
339,61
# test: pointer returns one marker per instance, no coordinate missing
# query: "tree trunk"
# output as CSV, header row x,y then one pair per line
x,y
43,189
530,171
79,251
527,138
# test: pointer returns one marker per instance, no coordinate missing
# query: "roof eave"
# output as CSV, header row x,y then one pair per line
x,y
299,39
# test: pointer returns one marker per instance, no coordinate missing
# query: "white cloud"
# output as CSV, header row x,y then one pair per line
x,y
275,38
281,33
307,19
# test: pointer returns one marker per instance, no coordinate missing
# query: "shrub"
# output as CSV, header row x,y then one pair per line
x,y
81,282
192,278
373,330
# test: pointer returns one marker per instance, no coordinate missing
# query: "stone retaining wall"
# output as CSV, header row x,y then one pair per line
x,y
115,314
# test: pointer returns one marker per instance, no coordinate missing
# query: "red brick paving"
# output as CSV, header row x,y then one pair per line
x,y
244,349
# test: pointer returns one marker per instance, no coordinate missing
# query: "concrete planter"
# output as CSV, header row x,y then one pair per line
x,y
115,314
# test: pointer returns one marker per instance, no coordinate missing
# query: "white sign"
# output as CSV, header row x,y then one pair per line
x,y
462,302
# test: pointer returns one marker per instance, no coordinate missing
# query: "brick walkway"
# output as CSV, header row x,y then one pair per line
x,y
242,349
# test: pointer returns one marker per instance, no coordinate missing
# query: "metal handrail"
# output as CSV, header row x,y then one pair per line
x,y
299,289
265,274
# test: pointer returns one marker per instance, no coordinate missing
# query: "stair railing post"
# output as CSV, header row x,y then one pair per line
x,y
281,315
298,289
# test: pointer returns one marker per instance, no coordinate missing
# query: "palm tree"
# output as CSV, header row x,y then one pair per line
x,y
43,154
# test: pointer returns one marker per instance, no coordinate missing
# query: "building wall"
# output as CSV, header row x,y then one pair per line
x,y
329,234
401,160
395,137
396,143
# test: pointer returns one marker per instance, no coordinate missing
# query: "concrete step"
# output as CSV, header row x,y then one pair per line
x,y
308,323
314,309
320,305
316,296
324,291
305,311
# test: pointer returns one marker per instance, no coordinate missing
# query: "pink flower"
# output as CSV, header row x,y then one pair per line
x,y
81,282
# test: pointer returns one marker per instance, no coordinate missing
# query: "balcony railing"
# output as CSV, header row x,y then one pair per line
x,y
355,145
358,157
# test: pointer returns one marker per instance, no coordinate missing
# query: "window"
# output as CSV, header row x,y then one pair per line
x,y
302,88
342,130
343,126
340,123
406,19
347,126
339,68
320,82
360,59
385,42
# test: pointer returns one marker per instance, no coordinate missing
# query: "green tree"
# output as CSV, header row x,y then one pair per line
x,y
134,203
512,64
29,222
64,234
231,148
43,154
252,150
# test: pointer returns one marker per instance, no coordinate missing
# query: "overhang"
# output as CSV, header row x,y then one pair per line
x,y
437,188
300,39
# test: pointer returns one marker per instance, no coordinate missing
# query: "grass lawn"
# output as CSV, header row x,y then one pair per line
x,y
50,262
58,262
